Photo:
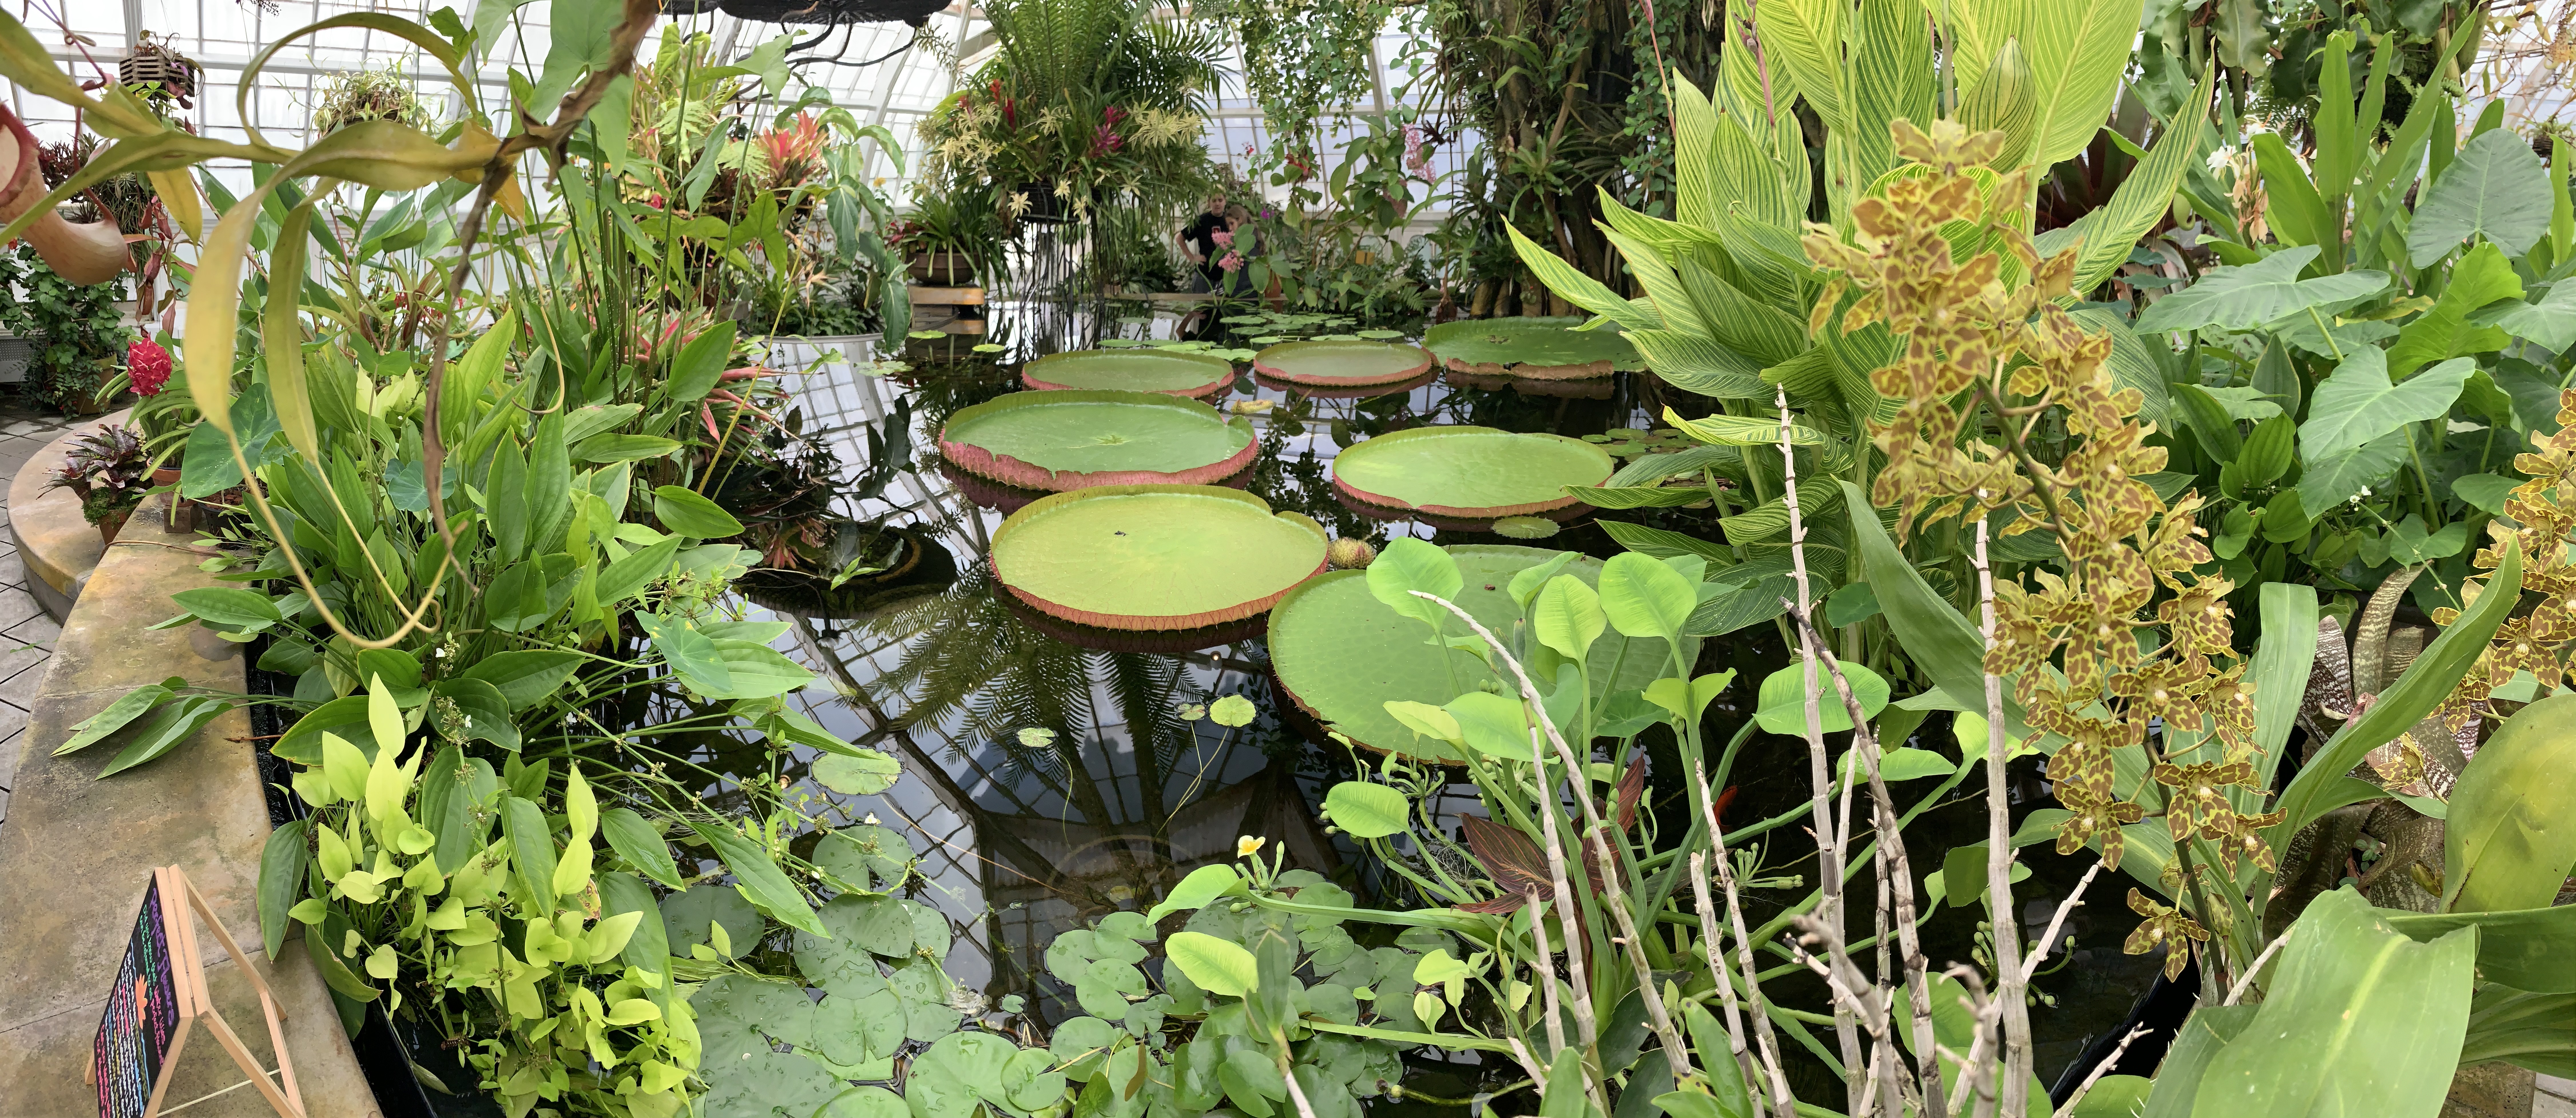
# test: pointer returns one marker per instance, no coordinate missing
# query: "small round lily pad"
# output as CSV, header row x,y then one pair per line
x,y
1351,363
1155,556
1531,348
1078,438
1472,472
1131,370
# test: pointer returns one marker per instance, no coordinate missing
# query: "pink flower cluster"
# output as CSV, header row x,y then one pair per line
x,y
1416,159
1233,262
148,366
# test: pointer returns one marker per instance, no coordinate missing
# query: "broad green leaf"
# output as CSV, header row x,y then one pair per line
x,y
696,659
525,676
1567,616
695,371
1217,966
759,876
282,864
2359,404
1643,597
282,336
2549,323
1408,565
623,448
2140,201
1744,430
1492,725
2358,1020
127,707
628,577
226,605
1204,885
640,843
2495,189
689,514
2480,278
532,851
1942,643
1365,810
2245,297
2281,666
169,729
2331,482
1579,289
1783,699
2510,842
2525,949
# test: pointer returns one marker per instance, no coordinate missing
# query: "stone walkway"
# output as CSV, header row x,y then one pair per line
x,y
26,635
2553,1097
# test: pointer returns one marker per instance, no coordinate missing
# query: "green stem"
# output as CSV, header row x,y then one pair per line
x,y
2331,344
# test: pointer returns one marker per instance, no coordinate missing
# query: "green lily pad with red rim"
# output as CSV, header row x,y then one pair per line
x,y
1151,557
1531,348
1340,655
1194,375
1469,472
1342,364
1076,439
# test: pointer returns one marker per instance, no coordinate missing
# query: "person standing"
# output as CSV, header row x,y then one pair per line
x,y
1201,242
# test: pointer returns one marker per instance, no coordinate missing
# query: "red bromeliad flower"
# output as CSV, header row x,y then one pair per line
x,y
148,366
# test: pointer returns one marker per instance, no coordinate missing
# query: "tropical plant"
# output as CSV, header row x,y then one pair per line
x,y
78,330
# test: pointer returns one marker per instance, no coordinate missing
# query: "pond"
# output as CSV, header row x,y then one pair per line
x,y
1049,782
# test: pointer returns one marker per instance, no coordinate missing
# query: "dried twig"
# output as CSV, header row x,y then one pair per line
x,y
1829,845
1547,979
2246,982
2015,1075
2074,900
1783,1104
2108,1062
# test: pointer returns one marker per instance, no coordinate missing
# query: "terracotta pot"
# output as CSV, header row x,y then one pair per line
x,y
113,523
165,475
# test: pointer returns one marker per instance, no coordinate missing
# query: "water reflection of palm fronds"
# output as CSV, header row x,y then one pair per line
x,y
964,654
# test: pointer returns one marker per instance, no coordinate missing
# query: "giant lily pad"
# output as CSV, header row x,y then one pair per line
x,y
1531,348
1342,364
1131,370
1080,438
1342,655
1155,556
1474,472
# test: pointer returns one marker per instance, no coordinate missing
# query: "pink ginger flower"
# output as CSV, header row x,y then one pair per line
x,y
1233,262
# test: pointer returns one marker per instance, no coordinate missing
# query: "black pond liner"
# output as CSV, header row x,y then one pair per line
x,y
386,1051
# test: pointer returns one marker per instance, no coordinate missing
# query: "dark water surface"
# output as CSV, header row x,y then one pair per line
x,y
1049,783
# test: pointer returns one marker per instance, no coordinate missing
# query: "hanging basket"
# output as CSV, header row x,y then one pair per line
x,y
828,12
161,68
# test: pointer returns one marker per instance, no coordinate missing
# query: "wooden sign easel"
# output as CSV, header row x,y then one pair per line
x,y
160,997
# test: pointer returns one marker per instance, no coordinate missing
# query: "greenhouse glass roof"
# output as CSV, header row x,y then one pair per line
x,y
886,73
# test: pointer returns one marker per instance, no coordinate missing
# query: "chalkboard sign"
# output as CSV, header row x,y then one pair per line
x,y
142,1020
160,996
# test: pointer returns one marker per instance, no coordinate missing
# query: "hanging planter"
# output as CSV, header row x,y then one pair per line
x,y
159,68
1045,207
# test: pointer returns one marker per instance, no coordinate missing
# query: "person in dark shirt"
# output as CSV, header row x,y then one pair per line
x,y
1198,242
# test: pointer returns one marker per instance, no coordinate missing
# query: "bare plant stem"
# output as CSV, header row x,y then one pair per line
x,y
1829,847
1783,1104
1547,981
2100,1069
2074,900
2246,982
2014,1090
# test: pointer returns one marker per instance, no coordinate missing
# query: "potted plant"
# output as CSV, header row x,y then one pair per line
x,y
109,471
77,330
951,235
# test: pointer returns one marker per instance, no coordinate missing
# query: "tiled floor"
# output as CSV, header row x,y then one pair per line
x,y
2553,1098
26,634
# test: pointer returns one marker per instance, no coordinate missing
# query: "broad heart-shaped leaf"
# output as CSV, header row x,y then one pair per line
x,y
1644,597
689,514
2242,298
1492,725
1409,565
1365,810
686,916
2496,189
2340,478
1567,616
2358,404
2549,323
2358,1020
1218,966
525,676
2479,279
1784,701
761,879
2511,836
694,657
